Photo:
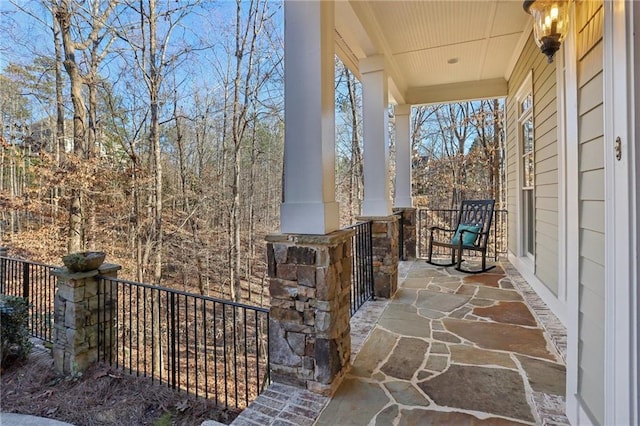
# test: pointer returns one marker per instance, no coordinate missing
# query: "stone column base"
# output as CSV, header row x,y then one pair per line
x,y
385,254
409,235
81,310
309,331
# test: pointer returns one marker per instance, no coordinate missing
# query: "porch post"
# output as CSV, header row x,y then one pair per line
x,y
376,205
309,205
403,157
309,264
376,147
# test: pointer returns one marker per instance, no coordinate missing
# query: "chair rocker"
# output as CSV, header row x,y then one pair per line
x,y
470,233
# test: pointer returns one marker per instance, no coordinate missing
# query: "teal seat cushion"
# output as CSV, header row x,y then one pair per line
x,y
468,238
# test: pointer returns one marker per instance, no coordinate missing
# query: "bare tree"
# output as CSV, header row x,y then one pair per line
x,y
64,13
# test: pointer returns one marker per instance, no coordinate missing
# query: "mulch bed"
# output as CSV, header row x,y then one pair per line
x,y
101,396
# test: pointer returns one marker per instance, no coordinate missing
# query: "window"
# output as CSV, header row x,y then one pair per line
x,y
526,142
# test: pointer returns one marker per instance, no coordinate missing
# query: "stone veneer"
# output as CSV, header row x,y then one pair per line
x,y
409,235
309,333
385,254
78,317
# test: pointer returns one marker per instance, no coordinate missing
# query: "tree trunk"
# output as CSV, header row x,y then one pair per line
x,y
75,238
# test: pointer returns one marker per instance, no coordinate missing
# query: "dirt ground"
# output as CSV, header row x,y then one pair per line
x,y
101,396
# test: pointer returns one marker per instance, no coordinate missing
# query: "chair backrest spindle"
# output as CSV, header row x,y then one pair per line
x,y
477,213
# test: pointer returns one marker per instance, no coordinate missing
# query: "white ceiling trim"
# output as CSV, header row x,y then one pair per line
x,y
518,50
367,17
457,92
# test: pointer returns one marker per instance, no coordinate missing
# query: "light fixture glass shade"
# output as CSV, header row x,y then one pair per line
x,y
550,23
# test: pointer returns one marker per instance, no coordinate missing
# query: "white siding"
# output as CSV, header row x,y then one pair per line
x,y
546,159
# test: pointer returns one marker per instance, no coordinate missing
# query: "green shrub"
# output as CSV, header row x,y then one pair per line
x,y
14,330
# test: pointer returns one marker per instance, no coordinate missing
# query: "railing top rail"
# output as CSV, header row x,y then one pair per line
x,y
355,225
30,262
452,210
185,293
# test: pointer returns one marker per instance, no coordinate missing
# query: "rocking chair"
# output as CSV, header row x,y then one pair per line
x,y
470,233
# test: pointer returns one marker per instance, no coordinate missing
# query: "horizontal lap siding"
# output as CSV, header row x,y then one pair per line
x,y
591,208
545,127
546,158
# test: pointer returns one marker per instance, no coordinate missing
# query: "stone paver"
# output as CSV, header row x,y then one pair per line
x,y
488,390
346,406
508,313
501,337
500,362
406,358
487,360
544,376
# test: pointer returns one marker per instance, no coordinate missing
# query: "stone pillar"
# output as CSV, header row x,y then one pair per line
x,y
309,201
403,157
375,121
409,231
385,254
309,331
82,309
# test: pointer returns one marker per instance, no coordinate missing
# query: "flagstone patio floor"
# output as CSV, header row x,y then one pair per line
x,y
447,349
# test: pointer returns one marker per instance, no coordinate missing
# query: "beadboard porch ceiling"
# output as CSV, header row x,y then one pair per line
x,y
435,50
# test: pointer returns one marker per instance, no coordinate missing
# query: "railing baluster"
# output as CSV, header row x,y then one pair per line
x,y
224,352
172,307
246,359
215,352
195,340
206,349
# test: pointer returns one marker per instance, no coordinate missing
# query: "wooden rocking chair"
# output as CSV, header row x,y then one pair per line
x,y
470,233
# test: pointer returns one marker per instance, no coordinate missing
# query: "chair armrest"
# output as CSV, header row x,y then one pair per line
x,y
437,228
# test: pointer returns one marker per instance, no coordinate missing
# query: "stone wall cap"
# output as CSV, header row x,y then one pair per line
x,y
102,269
310,239
109,267
65,273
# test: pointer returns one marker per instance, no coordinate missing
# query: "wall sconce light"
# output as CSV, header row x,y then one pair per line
x,y
550,23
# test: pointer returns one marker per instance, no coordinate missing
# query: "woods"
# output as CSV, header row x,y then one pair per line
x,y
154,130
143,136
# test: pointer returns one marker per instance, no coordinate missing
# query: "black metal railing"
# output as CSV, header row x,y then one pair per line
x,y
208,347
362,265
446,218
34,282
400,215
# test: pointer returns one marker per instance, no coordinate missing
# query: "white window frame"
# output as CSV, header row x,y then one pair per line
x,y
525,89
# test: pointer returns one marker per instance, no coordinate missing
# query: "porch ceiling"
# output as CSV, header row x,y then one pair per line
x,y
418,39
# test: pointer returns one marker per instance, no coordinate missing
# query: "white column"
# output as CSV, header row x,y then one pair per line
x,y
377,200
403,157
309,205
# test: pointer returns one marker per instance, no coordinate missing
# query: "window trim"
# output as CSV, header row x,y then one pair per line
x,y
525,90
